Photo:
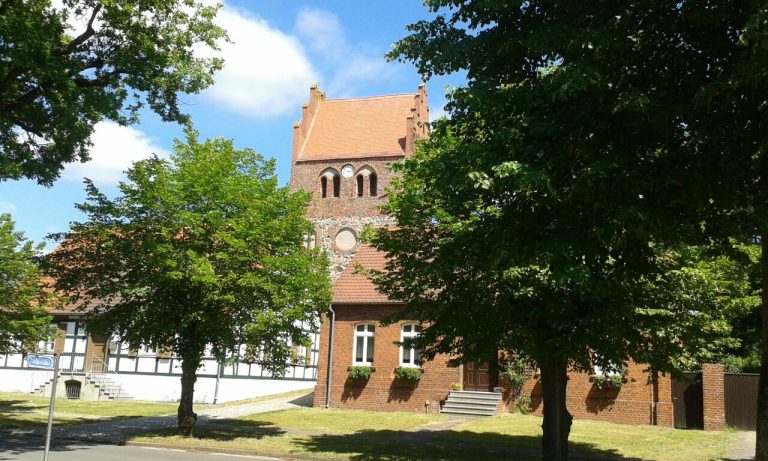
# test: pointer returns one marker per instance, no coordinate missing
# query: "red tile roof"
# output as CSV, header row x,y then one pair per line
x,y
353,127
379,126
353,287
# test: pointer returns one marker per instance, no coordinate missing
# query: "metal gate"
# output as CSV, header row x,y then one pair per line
x,y
73,388
688,402
741,400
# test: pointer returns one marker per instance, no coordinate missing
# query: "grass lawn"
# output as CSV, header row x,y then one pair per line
x,y
361,435
24,411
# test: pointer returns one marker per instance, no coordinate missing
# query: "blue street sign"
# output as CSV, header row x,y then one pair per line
x,y
40,361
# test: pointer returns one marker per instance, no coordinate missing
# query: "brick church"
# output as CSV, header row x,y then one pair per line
x,y
342,149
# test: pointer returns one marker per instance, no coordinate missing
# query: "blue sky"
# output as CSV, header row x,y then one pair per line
x,y
280,48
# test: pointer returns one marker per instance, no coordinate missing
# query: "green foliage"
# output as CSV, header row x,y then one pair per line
x,y
23,318
596,152
56,82
408,373
360,372
609,381
745,364
523,404
516,372
203,249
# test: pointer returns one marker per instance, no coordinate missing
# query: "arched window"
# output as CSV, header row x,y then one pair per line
x,y
373,186
364,342
410,356
332,176
363,174
360,181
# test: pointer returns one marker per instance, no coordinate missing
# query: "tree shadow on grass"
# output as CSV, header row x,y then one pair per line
x,y
18,445
225,430
381,445
304,401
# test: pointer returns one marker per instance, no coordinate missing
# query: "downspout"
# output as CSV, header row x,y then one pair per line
x,y
330,359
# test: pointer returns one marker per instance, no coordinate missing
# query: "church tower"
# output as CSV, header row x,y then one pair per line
x,y
341,152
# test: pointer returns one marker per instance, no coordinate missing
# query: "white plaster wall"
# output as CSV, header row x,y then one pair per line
x,y
162,388
168,388
23,380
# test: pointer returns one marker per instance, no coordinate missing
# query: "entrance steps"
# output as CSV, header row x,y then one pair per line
x,y
107,387
471,403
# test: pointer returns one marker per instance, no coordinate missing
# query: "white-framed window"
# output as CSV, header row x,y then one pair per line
x,y
362,353
601,368
409,355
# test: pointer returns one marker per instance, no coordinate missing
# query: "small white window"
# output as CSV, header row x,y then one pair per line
x,y
409,355
364,342
600,368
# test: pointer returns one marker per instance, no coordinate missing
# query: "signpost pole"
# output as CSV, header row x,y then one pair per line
x,y
50,410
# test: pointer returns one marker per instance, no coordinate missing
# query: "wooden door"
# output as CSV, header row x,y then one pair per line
x,y
688,402
477,377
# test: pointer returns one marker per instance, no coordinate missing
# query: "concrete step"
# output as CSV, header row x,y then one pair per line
x,y
473,400
473,413
470,406
471,403
475,395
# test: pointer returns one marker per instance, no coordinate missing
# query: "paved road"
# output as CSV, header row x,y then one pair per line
x,y
31,448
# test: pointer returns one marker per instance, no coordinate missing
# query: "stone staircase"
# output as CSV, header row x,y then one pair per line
x,y
107,387
471,403
40,390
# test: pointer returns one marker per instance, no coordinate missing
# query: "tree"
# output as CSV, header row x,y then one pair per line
x,y
591,140
57,81
484,279
204,249
22,298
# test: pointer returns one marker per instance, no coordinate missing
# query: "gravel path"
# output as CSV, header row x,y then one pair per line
x,y
744,448
116,431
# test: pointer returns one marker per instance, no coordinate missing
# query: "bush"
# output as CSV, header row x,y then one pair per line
x,y
523,404
359,372
516,372
748,364
408,374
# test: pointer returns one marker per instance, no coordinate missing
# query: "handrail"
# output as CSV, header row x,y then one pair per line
x,y
106,374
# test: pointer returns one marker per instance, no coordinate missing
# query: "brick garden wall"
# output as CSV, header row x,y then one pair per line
x,y
632,403
382,391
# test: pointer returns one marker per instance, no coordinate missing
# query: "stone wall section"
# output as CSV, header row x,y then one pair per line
x,y
327,228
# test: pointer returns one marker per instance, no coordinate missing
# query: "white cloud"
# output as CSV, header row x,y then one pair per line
x,y
322,31
7,207
352,65
266,72
114,150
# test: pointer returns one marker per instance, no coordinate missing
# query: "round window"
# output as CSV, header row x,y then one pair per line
x,y
345,240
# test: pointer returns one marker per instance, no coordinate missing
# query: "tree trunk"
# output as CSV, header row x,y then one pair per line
x,y
557,420
761,448
186,416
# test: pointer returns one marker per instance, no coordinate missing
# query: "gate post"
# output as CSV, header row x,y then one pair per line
x,y
713,384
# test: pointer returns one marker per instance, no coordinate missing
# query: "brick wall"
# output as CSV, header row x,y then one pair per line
x,y
306,175
382,391
713,389
637,401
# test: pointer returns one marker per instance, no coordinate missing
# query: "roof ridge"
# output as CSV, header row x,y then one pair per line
x,y
358,98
